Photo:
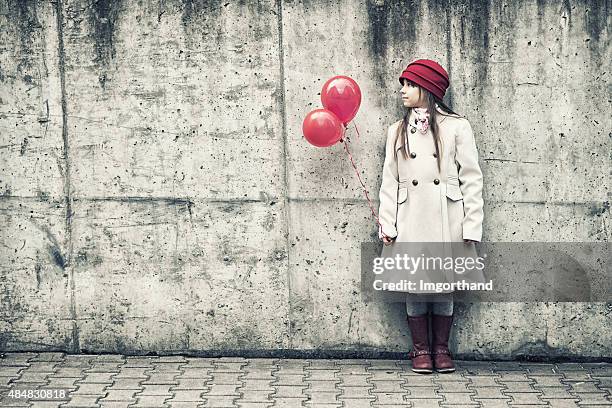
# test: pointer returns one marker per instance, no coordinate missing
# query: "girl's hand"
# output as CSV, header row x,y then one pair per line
x,y
388,240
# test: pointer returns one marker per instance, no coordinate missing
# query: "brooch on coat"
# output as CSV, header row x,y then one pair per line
x,y
421,120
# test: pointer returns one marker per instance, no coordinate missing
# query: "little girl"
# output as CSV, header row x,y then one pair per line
x,y
432,193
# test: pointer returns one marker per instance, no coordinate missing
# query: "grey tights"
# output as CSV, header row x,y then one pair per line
x,y
415,307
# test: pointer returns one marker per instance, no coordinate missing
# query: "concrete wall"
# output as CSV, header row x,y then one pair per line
x,y
157,194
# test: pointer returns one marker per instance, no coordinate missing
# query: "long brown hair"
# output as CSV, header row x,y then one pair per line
x,y
433,112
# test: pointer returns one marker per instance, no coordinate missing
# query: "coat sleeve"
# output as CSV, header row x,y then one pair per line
x,y
388,190
470,182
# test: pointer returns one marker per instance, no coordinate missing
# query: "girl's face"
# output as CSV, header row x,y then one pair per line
x,y
410,95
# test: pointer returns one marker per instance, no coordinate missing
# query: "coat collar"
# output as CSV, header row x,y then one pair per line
x,y
440,117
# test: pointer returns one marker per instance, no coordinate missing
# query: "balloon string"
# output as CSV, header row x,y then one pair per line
x,y
354,124
345,142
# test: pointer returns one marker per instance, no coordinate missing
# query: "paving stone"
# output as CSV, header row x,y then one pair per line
x,y
387,386
540,368
354,380
570,366
193,383
33,377
195,372
11,371
323,397
488,392
43,366
285,402
594,398
452,377
220,389
525,397
457,398
358,403
352,369
77,360
135,372
228,367
459,406
49,356
98,377
507,366
126,384
114,404
110,358
519,387
510,376
448,386
193,362
424,403
289,391
547,380
183,404
119,395
62,383
421,381
563,403
318,385
161,379
90,389
422,392
321,374
82,401
494,403
351,393
599,369
577,376
256,396
45,404
289,379
102,367
150,401
484,380
582,386
379,375
387,398
16,359
192,395
226,378
68,372
554,393
322,364
155,389
382,364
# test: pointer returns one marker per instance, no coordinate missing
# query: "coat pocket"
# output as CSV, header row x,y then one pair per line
x,y
453,191
402,194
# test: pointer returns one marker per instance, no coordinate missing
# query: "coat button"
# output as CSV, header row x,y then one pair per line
x,y
435,155
412,130
436,181
415,182
413,155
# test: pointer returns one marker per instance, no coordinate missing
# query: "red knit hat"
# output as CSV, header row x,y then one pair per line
x,y
427,74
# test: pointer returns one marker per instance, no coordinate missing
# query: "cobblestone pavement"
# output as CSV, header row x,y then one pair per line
x,y
65,380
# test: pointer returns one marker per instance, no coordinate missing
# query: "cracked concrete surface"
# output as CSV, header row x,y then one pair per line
x,y
156,193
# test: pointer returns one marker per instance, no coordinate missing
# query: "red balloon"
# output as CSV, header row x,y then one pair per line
x,y
322,128
342,96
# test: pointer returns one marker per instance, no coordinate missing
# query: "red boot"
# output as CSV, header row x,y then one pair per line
x,y
420,354
441,326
